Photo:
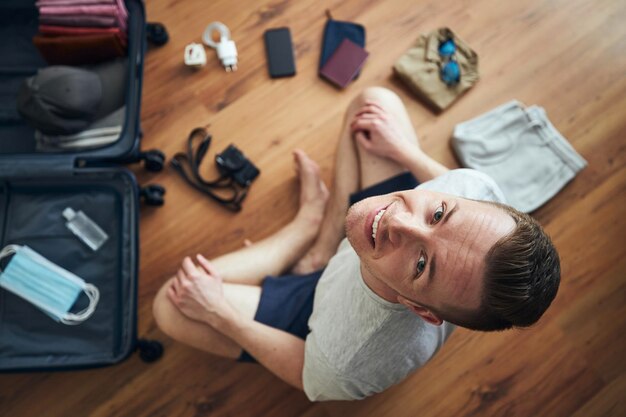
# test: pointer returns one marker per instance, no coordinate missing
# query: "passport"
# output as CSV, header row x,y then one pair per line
x,y
344,63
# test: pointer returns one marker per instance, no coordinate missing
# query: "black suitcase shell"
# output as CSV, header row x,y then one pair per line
x,y
34,190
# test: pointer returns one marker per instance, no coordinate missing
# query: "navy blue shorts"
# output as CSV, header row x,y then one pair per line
x,y
287,301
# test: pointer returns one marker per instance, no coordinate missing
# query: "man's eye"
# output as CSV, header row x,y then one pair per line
x,y
438,215
421,265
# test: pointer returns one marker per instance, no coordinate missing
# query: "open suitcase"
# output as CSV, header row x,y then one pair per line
x,y
36,187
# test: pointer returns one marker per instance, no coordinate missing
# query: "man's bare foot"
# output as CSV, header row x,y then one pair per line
x,y
313,198
313,192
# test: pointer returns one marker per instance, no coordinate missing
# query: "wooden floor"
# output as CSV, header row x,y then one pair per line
x,y
568,56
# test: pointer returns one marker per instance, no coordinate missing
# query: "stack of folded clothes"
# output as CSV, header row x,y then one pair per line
x,y
439,68
81,32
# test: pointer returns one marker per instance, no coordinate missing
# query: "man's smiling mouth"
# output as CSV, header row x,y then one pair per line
x,y
379,215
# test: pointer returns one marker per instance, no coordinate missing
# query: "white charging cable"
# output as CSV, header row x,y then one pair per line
x,y
226,49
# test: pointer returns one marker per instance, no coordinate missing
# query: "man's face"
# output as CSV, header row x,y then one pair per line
x,y
428,248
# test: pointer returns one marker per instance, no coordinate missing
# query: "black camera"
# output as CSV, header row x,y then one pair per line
x,y
232,162
236,171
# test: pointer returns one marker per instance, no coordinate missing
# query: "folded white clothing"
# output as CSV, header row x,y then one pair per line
x,y
88,142
521,150
101,132
85,134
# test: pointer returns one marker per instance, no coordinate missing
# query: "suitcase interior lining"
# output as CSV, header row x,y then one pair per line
x,y
31,210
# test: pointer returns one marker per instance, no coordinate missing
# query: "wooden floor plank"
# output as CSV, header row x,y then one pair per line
x,y
607,403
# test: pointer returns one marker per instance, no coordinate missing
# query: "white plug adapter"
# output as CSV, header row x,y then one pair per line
x,y
195,56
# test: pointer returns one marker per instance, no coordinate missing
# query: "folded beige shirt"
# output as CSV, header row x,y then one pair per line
x,y
419,68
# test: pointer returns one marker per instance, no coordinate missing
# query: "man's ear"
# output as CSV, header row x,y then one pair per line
x,y
423,312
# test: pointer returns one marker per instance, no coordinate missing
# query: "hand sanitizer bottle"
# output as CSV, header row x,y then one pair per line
x,y
86,229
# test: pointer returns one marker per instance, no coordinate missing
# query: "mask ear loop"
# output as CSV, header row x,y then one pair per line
x,y
9,250
73,319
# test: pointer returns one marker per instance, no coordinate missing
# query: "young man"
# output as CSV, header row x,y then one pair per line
x,y
416,261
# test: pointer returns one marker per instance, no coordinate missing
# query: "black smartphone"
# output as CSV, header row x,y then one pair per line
x,y
280,57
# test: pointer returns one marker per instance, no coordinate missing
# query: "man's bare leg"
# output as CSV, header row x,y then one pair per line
x,y
374,169
245,298
249,265
345,182
355,169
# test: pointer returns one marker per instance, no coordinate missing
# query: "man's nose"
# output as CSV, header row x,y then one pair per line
x,y
403,227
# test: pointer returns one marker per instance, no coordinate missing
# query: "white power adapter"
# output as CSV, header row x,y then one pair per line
x,y
195,56
226,49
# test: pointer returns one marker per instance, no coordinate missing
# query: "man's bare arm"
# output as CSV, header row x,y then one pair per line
x,y
280,352
422,166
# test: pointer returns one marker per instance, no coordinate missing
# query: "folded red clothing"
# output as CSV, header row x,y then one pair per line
x,y
73,30
112,10
117,8
79,21
120,4
47,30
89,9
71,2
79,50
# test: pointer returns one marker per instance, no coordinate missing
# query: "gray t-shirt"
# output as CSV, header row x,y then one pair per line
x,y
361,344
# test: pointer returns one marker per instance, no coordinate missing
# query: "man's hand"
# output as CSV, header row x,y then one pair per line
x,y
198,292
381,134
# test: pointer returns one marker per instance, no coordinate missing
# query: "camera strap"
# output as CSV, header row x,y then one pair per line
x,y
236,171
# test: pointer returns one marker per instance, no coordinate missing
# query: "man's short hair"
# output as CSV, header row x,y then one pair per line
x,y
522,276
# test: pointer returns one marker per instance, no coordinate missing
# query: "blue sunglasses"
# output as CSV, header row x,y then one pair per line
x,y
450,72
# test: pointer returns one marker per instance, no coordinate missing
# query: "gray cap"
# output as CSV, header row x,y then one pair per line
x,y
64,100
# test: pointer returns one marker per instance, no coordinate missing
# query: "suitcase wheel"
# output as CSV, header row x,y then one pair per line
x,y
152,194
154,160
149,350
157,34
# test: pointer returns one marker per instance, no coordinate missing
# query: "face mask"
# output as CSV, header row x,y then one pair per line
x,y
47,286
